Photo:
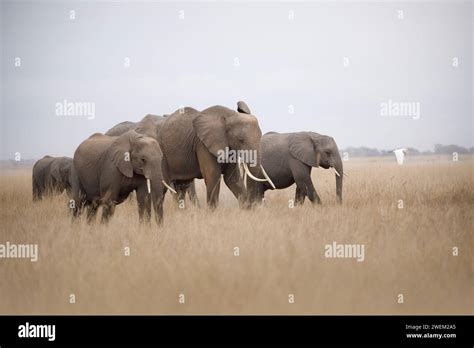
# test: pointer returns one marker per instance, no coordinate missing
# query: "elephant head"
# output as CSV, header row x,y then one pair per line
x,y
221,129
318,150
61,172
134,153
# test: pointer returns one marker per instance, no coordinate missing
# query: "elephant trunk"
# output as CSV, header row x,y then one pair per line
x,y
252,185
155,188
255,178
157,198
339,177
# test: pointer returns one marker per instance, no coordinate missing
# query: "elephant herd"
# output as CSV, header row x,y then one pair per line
x,y
161,153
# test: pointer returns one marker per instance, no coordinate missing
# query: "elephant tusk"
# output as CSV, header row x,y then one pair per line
x,y
345,174
247,172
250,174
242,172
339,175
148,184
267,177
169,187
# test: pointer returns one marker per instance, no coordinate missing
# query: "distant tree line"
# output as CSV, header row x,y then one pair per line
x,y
439,149
352,151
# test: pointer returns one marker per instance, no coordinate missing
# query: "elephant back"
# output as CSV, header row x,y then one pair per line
x,y
43,164
121,128
150,125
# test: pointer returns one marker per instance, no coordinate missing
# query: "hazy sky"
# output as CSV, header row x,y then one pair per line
x,y
324,67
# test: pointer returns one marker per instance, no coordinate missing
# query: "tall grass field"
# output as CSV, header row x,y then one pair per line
x,y
414,221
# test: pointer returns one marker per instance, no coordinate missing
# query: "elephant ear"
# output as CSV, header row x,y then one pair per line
x,y
211,130
121,156
303,148
243,108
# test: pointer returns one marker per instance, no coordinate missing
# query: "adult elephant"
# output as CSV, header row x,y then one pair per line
x,y
108,168
150,125
209,143
51,175
289,157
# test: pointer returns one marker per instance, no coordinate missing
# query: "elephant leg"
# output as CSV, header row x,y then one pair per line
x,y
311,192
234,182
108,210
302,175
181,188
308,190
181,196
192,194
211,172
36,192
77,196
144,204
92,208
213,181
299,196
76,204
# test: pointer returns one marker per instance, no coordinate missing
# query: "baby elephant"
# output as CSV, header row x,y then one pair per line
x,y
289,157
51,175
108,168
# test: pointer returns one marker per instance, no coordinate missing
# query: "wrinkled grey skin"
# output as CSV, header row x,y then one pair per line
x,y
51,175
289,157
108,168
190,140
150,125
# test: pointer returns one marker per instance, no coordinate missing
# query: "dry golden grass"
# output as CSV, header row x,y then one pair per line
x,y
407,251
